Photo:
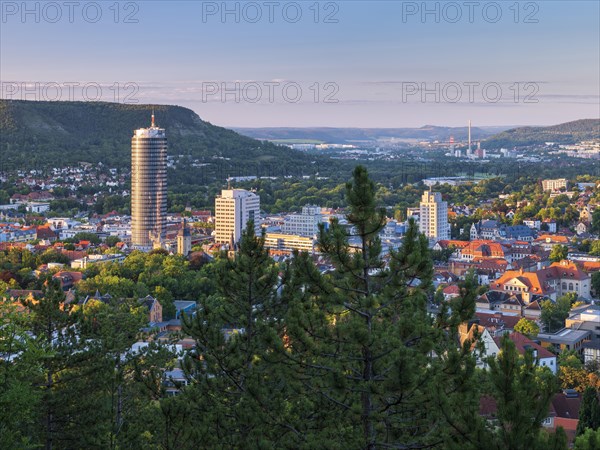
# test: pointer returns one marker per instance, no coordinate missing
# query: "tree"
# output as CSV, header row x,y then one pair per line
x,y
238,336
595,228
19,363
361,339
554,314
596,283
527,327
522,393
589,412
111,241
54,329
559,253
86,236
588,440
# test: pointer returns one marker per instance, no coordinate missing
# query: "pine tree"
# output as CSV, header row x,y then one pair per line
x,y
522,393
20,362
589,413
235,381
361,335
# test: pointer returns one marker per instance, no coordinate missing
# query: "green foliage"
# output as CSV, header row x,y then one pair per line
x,y
558,253
167,277
522,392
595,283
19,364
527,327
589,440
37,134
589,411
570,358
595,228
111,241
554,314
361,336
565,133
238,335
69,380
85,236
595,248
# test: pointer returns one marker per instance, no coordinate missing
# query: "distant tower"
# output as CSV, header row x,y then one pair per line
x,y
469,148
148,187
184,240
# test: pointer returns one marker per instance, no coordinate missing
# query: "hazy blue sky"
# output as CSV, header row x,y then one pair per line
x,y
374,59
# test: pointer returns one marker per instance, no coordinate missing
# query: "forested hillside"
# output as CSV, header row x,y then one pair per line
x,y
50,134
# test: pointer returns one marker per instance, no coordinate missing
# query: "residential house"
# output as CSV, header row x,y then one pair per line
x,y
564,412
451,292
543,357
497,323
582,228
475,334
68,279
548,241
46,233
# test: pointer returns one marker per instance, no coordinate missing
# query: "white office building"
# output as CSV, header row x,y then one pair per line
x,y
304,224
233,209
433,217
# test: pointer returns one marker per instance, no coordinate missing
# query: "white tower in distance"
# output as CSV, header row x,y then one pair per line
x,y
433,220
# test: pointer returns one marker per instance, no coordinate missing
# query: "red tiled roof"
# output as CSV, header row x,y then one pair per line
x,y
553,238
522,342
45,232
565,407
453,289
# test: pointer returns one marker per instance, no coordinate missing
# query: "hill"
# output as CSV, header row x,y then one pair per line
x,y
349,135
51,134
565,133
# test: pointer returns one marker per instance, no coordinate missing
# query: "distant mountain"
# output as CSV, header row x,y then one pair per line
x,y
565,133
50,134
348,135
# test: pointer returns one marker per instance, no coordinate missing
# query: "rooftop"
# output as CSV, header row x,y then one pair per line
x,y
564,336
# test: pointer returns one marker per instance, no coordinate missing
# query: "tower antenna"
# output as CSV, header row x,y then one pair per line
x,y
152,125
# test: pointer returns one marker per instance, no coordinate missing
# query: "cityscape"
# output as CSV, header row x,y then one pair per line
x,y
370,258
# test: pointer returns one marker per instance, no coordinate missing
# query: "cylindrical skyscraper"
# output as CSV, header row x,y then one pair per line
x,y
148,187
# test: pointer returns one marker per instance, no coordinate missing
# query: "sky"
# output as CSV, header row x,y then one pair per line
x,y
306,63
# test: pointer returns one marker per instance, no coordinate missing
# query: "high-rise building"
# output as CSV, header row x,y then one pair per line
x,y
433,217
304,224
148,187
233,209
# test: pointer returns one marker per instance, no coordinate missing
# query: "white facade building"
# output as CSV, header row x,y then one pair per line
x,y
555,185
433,217
233,209
304,224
